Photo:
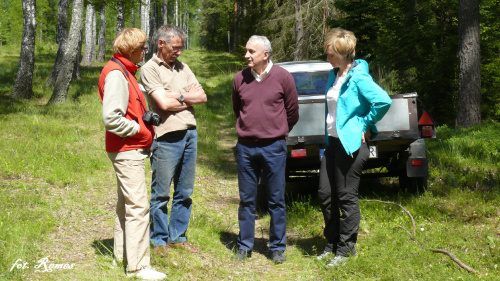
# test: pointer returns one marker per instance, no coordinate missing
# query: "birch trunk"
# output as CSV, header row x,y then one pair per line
x,y
62,36
145,16
76,64
164,9
89,36
102,35
24,80
120,16
176,13
132,15
65,74
62,21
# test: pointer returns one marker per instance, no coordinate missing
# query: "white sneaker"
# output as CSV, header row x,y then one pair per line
x,y
148,274
324,255
337,261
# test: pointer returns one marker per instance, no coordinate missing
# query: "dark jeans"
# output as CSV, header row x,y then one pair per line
x,y
270,160
338,194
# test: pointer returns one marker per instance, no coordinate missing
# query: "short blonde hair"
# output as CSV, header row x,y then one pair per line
x,y
129,40
342,42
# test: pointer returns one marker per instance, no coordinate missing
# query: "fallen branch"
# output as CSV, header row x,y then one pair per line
x,y
412,236
462,265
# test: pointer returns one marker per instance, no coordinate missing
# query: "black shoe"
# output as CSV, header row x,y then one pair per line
x,y
241,255
277,256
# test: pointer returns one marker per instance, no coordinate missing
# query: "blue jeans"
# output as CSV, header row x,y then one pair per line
x,y
173,159
268,160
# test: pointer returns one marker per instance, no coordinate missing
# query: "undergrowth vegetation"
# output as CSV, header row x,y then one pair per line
x,y
57,196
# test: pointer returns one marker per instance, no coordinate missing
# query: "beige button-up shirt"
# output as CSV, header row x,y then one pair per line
x,y
157,74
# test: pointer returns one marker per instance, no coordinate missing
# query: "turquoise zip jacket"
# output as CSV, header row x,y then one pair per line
x,y
360,105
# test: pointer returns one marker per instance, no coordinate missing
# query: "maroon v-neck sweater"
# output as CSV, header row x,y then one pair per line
x,y
265,110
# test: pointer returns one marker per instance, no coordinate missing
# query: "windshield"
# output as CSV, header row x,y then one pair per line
x,y
311,83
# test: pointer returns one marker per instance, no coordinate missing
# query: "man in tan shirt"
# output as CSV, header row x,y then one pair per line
x,y
172,90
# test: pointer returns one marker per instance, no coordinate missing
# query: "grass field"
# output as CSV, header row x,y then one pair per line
x,y
57,196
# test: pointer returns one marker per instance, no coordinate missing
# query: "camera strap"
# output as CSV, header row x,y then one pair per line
x,y
126,73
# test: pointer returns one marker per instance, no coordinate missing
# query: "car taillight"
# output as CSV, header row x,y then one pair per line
x,y
426,125
299,153
427,131
416,162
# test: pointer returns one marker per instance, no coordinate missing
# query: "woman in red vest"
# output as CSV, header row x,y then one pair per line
x,y
128,140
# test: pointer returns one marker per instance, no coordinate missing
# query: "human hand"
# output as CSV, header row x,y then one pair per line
x,y
365,136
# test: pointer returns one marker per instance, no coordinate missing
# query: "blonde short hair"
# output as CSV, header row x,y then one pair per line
x,y
342,42
129,40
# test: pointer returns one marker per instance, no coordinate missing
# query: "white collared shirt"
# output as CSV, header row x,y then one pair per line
x,y
264,73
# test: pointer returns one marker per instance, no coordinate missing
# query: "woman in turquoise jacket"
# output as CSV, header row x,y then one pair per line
x,y
354,104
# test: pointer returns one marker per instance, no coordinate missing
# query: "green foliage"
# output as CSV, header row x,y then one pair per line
x,y
12,21
216,18
490,61
468,158
280,27
416,42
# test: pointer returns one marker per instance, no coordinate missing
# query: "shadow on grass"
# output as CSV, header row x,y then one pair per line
x,y
260,244
311,246
88,82
9,105
307,246
104,247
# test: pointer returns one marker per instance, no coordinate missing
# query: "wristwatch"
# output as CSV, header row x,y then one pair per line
x,y
181,97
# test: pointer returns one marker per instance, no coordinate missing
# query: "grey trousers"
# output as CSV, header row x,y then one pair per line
x,y
339,180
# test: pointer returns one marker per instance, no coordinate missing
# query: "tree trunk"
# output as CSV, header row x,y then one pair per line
x,y
76,68
236,29
94,35
62,36
299,31
186,29
63,80
145,16
153,28
469,72
89,36
325,16
102,35
24,80
132,14
164,9
40,32
120,16
62,21
176,13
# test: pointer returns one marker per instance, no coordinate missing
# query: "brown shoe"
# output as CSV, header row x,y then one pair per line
x,y
185,246
160,250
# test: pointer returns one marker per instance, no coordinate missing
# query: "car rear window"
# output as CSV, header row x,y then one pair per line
x,y
311,83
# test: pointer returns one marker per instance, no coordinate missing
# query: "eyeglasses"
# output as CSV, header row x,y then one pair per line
x,y
175,49
145,49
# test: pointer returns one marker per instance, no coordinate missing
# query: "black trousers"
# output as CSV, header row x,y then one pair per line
x,y
339,179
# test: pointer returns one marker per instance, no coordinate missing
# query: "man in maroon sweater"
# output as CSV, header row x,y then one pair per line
x,y
265,103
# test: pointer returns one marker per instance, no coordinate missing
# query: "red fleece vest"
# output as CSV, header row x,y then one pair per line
x,y
144,138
